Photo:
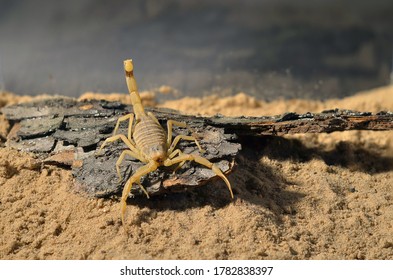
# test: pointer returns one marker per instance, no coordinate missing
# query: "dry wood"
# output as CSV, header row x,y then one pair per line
x,y
68,132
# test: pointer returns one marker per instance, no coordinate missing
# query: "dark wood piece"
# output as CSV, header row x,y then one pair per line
x,y
68,132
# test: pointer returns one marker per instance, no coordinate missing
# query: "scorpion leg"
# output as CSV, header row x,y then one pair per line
x,y
131,117
126,141
172,144
201,160
142,188
172,155
175,153
184,137
135,178
121,158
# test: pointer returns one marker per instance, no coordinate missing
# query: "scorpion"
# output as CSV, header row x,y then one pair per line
x,y
148,142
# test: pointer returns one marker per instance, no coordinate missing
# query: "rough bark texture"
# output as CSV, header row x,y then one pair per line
x,y
292,123
68,132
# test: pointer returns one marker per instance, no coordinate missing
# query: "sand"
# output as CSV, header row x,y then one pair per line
x,y
327,196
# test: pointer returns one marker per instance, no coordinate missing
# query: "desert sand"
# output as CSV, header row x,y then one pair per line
x,y
321,196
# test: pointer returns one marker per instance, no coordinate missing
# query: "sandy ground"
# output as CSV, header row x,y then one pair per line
x,y
327,196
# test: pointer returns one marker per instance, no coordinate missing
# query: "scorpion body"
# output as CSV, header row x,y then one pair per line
x,y
150,138
148,142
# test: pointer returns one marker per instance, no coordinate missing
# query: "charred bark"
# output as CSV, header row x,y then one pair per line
x,y
68,132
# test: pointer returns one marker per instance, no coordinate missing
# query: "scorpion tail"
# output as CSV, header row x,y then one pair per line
x,y
133,88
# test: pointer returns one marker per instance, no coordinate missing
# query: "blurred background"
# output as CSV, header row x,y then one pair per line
x,y
267,48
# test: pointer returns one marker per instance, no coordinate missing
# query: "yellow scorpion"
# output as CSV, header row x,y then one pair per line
x,y
148,142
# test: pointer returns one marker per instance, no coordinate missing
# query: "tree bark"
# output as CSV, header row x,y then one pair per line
x,y
68,132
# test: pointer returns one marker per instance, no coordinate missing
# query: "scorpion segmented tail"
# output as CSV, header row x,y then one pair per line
x,y
133,89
